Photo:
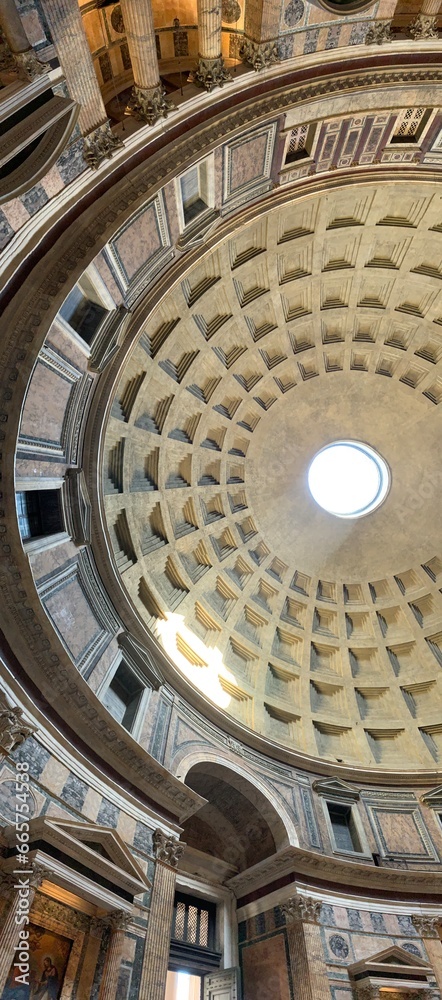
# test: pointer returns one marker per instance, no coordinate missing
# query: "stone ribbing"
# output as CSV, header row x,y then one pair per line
x,y
66,26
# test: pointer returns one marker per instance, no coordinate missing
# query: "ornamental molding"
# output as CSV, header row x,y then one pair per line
x,y
433,799
167,849
297,861
336,788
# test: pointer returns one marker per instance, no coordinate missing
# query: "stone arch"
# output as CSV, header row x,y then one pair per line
x,y
245,820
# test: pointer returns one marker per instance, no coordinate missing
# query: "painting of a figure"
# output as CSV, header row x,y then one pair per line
x,y
48,958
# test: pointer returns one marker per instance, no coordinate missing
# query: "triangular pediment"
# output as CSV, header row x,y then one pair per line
x,y
433,799
336,788
389,960
97,848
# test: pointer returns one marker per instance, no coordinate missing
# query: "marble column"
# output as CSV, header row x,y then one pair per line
x,y
148,101
167,852
424,24
260,48
29,66
72,47
118,922
305,948
429,928
210,71
19,891
14,729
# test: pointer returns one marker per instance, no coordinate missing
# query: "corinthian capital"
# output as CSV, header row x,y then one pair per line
x,y
426,925
14,729
167,849
118,920
302,908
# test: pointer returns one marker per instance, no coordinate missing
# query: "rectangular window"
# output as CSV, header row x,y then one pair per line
x,y
39,513
194,188
83,314
344,828
123,696
193,921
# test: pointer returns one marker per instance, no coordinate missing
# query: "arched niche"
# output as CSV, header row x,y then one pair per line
x,y
243,822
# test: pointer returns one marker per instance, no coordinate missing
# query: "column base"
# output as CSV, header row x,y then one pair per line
x,y
99,145
259,54
210,73
30,67
150,104
378,32
424,26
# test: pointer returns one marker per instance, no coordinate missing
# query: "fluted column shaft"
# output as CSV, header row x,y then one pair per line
x,y
148,100
305,948
140,34
69,37
430,7
210,71
20,892
156,952
118,922
209,29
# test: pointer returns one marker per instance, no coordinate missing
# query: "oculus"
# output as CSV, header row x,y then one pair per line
x,y
348,479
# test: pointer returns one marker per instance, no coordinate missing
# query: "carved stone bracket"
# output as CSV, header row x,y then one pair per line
x,y
100,145
211,73
423,26
259,54
29,66
367,992
426,926
167,849
14,729
378,33
302,908
149,105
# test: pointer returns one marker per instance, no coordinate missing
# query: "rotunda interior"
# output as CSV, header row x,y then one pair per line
x,y
220,688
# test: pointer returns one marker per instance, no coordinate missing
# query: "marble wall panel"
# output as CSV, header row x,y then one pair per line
x,y
265,969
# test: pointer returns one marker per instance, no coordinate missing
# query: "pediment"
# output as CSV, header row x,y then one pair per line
x,y
389,961
97,848
336,788
433,799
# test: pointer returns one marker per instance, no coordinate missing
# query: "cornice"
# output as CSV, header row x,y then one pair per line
x,y
295,861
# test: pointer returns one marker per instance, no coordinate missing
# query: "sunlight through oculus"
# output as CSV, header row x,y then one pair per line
x,y
348,479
